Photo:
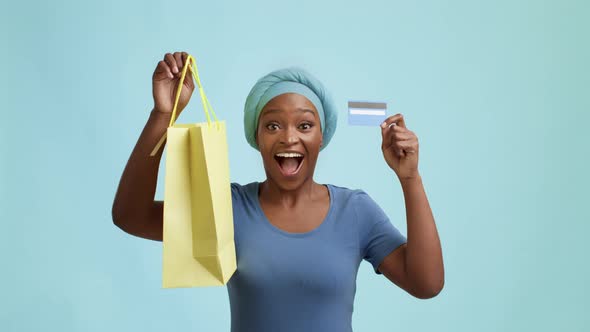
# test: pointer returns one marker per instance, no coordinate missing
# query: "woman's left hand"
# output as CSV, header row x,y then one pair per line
x,y
400,147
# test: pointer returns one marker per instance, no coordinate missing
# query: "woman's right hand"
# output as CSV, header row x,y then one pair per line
x,y
165,83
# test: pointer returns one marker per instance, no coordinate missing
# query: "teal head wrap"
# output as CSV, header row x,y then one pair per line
x,y
289,80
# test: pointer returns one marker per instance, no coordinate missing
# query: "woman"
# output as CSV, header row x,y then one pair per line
x,y
298,243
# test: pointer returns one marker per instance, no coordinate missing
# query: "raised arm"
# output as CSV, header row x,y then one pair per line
x,y
134,209
417,266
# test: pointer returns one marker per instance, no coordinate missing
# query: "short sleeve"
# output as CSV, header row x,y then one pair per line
x,y
378,237
236,190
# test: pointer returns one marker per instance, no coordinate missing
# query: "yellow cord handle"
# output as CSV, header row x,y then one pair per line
x,y
191,64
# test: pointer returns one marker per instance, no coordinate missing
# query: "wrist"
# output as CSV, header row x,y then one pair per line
x,y
409,180
158,113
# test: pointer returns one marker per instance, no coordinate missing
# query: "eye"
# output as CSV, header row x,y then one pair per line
x,y
272,126
305,126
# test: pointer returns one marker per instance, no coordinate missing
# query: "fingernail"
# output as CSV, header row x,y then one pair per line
x,y
383,125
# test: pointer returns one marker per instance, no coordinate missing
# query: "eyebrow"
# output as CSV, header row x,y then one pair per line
x,y
276,110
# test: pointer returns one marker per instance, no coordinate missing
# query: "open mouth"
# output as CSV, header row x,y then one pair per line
x,y
289,162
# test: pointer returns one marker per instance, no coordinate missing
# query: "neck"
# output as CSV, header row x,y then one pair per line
x,y
271,192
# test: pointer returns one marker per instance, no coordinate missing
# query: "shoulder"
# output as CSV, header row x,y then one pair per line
x,y
241,192
350,196
359,203
242,187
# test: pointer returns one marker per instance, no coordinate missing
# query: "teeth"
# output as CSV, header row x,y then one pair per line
x,y
289,155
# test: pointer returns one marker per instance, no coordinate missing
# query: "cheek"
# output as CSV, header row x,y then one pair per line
x,y
264,145
313,140
260,139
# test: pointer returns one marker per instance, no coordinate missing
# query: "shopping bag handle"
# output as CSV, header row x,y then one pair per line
x,y
189,64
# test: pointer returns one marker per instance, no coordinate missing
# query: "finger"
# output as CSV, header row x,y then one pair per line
x,y
402,122
184,57
396,138
396,148
179,62
399,132
188,78
389,141
407,147
398,119
396,143
404,145
402,134
169,58
180,58
385,132
162,71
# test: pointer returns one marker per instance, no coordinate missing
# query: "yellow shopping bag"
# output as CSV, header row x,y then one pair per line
x,y
198,239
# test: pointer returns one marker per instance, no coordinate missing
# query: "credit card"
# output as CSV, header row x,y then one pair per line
x,y
364,113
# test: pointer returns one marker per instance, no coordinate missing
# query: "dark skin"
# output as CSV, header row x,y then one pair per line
x,y
293,203
134,209
290,122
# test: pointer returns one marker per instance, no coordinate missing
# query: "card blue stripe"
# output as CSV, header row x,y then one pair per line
x,y
365,120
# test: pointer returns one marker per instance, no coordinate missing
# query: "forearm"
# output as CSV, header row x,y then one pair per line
x,y
424,263
137,187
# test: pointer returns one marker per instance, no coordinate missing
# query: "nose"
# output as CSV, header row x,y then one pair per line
x,y
290,136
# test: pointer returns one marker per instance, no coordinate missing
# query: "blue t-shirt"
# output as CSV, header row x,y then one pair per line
x,y
304,281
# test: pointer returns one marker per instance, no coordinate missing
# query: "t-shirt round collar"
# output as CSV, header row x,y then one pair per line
x,y
274,228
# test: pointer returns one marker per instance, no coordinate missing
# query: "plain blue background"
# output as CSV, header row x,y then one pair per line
x,y
497,92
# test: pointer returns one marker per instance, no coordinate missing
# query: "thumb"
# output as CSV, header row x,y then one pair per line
x,y
386,134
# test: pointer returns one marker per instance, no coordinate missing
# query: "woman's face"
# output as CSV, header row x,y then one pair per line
x,y
289,138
